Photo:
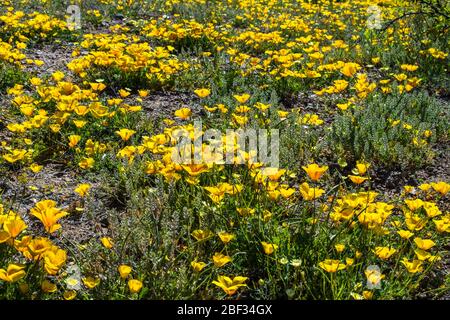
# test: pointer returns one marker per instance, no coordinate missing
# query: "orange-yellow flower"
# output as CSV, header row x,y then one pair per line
x,y
424,244
384,252
73,140
107,242
91,282
331,266
202,93
226,237
220,259
125,134
441,187
200,235
54,259
414,266
83,189
48,287
198,265
124,271
310,193
269,248
13,273
314,171
49,215
230,286
183,113
350,68
243,98
69,295
357,179
134,285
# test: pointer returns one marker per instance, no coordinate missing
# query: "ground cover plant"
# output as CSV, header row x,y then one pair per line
x,y
128,169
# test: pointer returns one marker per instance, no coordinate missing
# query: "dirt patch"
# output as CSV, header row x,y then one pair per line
x,y
22,189
54,56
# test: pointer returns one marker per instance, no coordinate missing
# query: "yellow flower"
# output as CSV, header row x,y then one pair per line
x,y
349,261
58,76
124,93
79,123
143,93
195,169
54,259
83,189
413,205
73,140
125,134
202,93
332,266
424,244
246,212
48,287
107,242
91,282
357,179
183,113
273,174
339,247
13,273
70,295
226,237
198,265
414,266
343,106
425,187
124,271
200,235
134,285
97,86
243,98
35,81
314,171
13,225
367,295
34,248
230,286
441,187
422,255
35,168
384,252
431,209
311,119
86,163
15,155
409,67
310,193
350,68
362,167
220,259
441,225
242,109
269,248
49,215
405,234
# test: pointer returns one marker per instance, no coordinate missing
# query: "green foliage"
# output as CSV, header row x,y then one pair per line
x,y
10,75
372,131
